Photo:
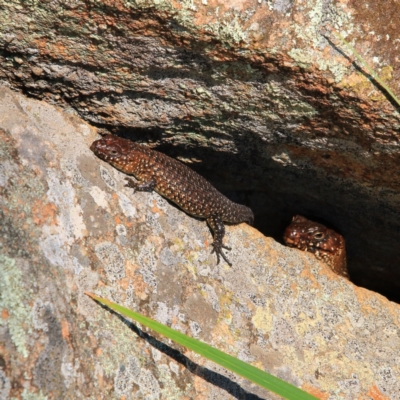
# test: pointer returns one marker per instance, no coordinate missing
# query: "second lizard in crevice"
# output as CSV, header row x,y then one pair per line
x,y
326,244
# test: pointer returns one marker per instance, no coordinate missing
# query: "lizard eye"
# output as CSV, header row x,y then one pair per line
x,y
113,153
318,235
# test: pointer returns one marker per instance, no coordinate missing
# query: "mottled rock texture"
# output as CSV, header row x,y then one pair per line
x,y
68,225
249,91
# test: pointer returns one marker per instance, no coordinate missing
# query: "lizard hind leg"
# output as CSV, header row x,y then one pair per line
x,y
217,226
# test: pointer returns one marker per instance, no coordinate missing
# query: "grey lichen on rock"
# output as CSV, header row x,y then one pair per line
x,y
70,225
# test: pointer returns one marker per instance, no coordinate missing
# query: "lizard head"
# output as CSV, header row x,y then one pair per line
x,y
325,243
113,149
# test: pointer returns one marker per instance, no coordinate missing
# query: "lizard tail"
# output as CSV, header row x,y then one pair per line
x,y
240,214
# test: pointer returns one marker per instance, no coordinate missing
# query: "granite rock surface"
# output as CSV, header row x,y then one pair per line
x,y
69,225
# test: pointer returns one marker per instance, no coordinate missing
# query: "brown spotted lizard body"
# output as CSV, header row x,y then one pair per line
x,y
175,181
326,244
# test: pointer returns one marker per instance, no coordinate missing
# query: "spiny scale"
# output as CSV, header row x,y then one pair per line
x,y
175,181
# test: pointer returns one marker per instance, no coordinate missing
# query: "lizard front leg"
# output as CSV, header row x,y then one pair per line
x,y
217,226
140,187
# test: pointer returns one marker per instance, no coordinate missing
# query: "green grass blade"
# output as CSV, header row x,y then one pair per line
x,y
367,67
249,372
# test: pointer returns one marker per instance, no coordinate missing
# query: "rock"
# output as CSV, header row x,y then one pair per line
x,y
69,225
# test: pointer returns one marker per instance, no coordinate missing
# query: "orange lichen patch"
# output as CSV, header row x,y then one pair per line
x,y
4,314
315,391
223,331
140,287
130,271
92,48
41,44
44,213
128,224
60,48
65,329
117,219
376,394
155,209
